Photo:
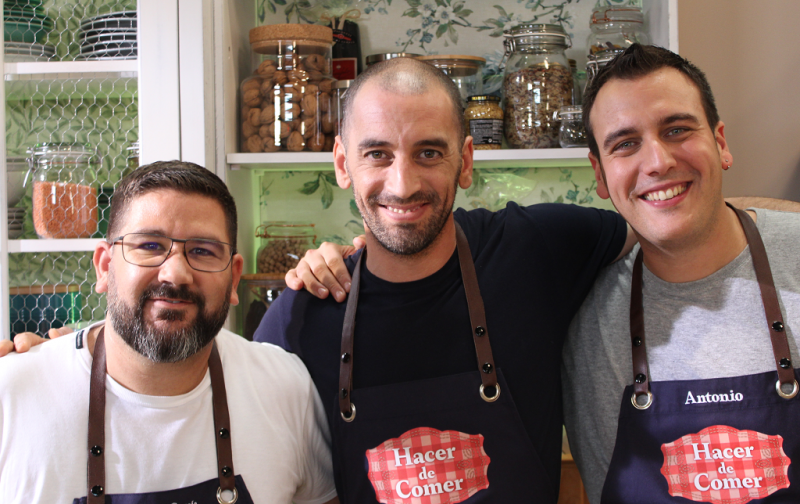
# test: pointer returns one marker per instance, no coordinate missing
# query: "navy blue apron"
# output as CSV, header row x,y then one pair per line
x,y
723,440
226,489
451,439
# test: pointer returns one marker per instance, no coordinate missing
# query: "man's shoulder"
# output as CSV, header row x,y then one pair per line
x,y
264,359
52,360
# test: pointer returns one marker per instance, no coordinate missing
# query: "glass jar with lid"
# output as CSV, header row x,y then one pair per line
x,y
64,177
483,121
340,88
283,244
597,61
616,28
537,82
571,133
377,58
286,104
464,70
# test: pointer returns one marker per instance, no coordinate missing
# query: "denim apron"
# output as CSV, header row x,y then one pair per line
x,y
722,440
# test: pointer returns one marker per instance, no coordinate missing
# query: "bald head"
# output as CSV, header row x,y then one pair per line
x,y
407,77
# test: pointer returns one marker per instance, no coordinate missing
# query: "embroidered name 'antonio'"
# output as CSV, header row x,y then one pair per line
x,y
713,398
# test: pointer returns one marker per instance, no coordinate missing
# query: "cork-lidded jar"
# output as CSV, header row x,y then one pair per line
x,y
286,104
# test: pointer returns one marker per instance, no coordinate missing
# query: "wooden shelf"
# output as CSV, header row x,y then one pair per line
x,y
503,158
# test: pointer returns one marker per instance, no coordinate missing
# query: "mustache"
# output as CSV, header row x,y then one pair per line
x,y
417,197
170,291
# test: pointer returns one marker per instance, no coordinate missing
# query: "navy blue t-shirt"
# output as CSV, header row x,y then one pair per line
x,y
534,264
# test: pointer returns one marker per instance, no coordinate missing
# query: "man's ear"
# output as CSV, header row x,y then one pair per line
x,y
722,146
339,162
237,264
102,262
467,157
599,176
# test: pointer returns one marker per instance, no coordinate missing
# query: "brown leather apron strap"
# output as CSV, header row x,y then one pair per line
x,y
222,425
769,296
97,406
772,310
641,376
346,408
96,473
477,318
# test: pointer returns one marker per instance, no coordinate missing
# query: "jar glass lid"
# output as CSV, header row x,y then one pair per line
x,y
538,33
617,15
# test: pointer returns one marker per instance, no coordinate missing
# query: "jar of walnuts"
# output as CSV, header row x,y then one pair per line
x,y
283,244
537,82
286,104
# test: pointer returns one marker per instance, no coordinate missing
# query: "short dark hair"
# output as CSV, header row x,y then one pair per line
x,y
179,176
638,61
423,73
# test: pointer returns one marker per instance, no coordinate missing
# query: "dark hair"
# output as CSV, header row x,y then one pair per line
x,y
638,61
176,175
423,74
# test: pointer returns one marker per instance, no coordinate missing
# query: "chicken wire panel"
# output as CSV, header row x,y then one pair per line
x,y
99,111
64,30
49,290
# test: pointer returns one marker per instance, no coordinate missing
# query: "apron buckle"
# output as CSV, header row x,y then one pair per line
x,y
784,394
222,500
642,406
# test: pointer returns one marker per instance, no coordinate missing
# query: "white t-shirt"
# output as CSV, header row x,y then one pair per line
x,y
279,433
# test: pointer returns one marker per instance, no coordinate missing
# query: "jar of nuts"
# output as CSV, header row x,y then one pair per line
x,y
283,244
286,104
537,82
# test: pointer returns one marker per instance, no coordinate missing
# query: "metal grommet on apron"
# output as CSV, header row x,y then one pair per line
x,y
717,440
451,437
96,480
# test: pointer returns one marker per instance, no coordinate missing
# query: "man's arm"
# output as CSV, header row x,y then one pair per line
x,y
27,340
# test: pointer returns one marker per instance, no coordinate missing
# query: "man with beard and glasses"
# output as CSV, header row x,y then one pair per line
x,y
448,384
164,404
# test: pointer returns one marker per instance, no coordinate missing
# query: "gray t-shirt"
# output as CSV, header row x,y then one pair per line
x,y
710,328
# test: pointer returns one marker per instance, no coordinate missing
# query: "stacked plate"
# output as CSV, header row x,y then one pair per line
x,y
25,21
21,51
15,218
110,36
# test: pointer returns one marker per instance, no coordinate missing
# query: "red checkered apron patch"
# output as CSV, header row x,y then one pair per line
x,y
724,465
428,466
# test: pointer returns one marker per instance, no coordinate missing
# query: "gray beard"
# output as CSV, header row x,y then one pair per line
x,y
164,346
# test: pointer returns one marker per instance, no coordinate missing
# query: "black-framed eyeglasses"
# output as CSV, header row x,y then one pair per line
x,y
152,250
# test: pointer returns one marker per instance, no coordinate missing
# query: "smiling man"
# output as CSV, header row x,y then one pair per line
x,y
695,331
445,381
164,404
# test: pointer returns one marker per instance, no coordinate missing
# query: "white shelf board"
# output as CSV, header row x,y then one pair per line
x,y
67,245
70,69
500,158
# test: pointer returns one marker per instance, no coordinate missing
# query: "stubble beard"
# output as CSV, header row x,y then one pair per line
x,y
164,345
408,239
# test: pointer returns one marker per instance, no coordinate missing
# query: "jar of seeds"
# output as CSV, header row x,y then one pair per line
x,y
483,121
283,244
538,82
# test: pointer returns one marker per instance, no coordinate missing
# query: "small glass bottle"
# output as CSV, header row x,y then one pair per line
x,y
571,133
483,121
